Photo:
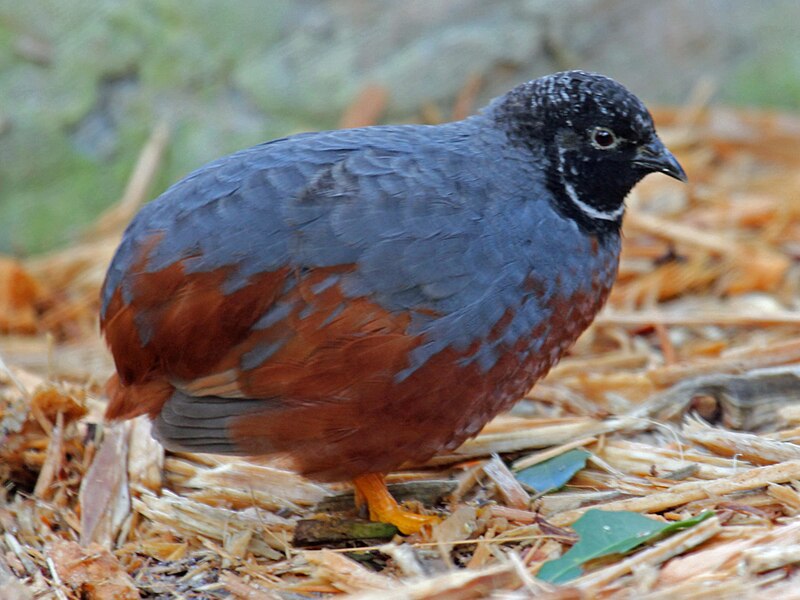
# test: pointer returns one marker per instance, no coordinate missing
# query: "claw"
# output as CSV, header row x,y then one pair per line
x,y
384,508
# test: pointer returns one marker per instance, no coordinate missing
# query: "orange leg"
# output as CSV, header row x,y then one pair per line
x,y
382,507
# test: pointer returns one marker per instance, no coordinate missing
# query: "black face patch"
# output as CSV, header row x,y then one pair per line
x,y
557,117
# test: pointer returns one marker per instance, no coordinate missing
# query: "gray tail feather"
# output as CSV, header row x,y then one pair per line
x,y
200,424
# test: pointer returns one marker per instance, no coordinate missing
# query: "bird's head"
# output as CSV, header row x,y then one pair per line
x,y
597,138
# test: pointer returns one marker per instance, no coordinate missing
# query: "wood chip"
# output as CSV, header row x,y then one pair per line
x,y
508,488
683,493
20,294
191,518
104,494
346,574
92,572
458,584
753,448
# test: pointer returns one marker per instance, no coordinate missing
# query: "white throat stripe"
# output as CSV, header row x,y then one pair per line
x,y
587,209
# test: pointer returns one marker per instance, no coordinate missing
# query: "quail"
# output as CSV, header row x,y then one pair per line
x,y
351,301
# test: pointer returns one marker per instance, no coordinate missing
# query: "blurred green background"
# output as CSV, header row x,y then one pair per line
x,y
84,82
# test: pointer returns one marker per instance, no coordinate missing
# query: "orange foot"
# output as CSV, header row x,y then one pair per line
x,y
382,507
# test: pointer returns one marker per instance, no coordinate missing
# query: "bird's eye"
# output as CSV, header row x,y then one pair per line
x,y
603,138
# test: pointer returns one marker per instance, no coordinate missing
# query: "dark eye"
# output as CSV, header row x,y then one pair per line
x,y
603,138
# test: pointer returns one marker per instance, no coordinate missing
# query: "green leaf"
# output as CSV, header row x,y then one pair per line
x,y
554,473
603,533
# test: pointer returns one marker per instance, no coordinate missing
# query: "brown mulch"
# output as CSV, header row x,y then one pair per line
x,y
685,390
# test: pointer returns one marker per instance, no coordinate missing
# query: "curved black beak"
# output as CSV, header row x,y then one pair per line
x,y
655,158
